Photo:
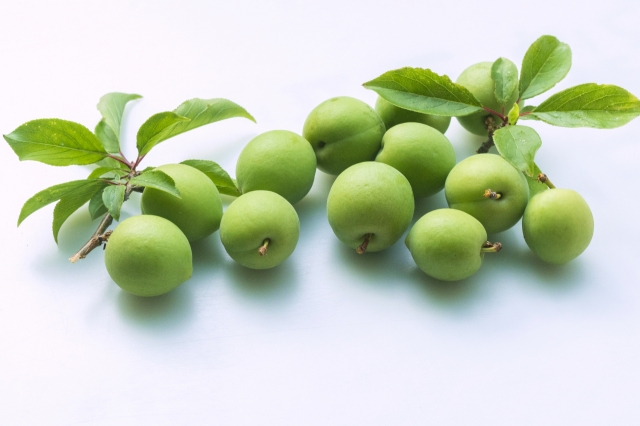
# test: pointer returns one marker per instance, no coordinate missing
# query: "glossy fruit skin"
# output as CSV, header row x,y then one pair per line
x,y
148,256
199,210
250,220
557,225
470,178
370,198
477,78
393,115
279,161
421,153
343,131
447,244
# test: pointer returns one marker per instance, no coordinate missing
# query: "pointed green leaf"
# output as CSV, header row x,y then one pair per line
x,y
545,64
534,185
72,202
156,129
218,176
101,171
56,142
526,113
111,163
518,145
514,114
96,205
55,193
156,179
505,77
111,107
603,106
424,91
206,111
113,198
107,137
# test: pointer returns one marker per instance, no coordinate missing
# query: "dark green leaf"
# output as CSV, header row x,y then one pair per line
x,y
504,74
157,179
156,129
111,107
56,142
113,197
603,106
96,205
57,192
218,176
72,202
518,145
534,185
546,63
424,91
107,137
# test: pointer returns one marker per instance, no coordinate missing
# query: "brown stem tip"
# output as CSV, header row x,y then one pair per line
x,y
491,194
362,248
542,178
263,248
490,247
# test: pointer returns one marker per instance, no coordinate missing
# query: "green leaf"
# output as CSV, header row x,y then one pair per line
x,y
101,171
156,179
56,142
424,91
218,176
113,198
156,129
518,145
504,74
96,205
534,185
111,107
55,193
107,137
545,64
514,114
525,113
603,106
111,163
72,202
206,111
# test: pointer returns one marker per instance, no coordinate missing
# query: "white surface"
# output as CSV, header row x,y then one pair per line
x,y
328,337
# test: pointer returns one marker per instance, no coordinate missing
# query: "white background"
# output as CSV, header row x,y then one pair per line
x,y
329,337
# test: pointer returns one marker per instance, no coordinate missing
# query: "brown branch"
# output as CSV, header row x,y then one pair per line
x,y
486,145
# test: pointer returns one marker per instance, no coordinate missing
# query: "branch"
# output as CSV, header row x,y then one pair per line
x,y
486,145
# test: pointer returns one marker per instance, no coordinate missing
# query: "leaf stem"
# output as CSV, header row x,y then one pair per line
x,y
138,160
121,160
502,117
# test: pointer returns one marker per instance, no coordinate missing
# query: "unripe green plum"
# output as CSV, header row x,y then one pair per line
x,y
279,161
393,115
470,180
197,212
448,244
343,131
477,78
557,225
421,153
148,256
370,205
260,229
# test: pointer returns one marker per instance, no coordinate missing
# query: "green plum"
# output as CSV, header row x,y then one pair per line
x,y
449,244
490,189
421,153
148,256
343,131
557,225
393,115
370,205
197,212
279,161
260,229
477,78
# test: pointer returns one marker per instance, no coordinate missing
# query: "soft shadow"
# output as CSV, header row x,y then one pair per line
x,y
275,284
557,278
161,314
207,253
425,205
445,293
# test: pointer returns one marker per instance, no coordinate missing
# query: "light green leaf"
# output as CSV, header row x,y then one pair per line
x,y
101,171
424,91
156,129
107,137
518,145
55,193
156,179
96,205
56,142
111,163
526,113
534,185
514,114
504,74
72,202
111,107
603,106
113,198
545,64
206,111
218,176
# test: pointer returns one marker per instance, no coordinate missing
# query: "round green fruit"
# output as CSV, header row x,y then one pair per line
x,y
488,188
260,229
148,256
477,78
198,210
421,153
343,131
279,161
393,115
448,244
370,205
557,225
